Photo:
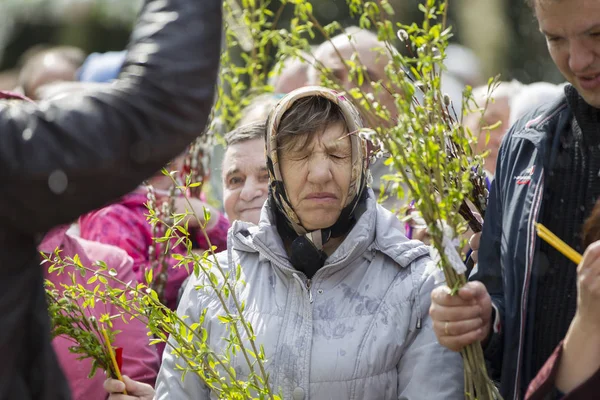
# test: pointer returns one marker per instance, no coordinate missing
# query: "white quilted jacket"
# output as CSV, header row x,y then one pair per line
x,y
358,330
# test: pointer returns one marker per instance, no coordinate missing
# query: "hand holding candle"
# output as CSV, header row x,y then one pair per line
x,y
115,365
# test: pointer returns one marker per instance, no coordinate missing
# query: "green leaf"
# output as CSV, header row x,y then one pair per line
x,y
206,214
149,276
77,260
213,278
238,272
387,7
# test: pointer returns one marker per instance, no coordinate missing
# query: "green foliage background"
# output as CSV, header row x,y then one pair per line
x,y
516,51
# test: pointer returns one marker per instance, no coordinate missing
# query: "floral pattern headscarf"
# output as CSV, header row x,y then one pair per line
x,y
359,157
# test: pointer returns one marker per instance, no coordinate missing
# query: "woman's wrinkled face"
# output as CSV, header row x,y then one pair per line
x,y
317,176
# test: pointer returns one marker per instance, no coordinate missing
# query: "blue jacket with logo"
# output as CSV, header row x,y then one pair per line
x,y
509,243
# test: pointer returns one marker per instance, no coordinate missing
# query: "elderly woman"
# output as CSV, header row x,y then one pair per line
x,y
334,291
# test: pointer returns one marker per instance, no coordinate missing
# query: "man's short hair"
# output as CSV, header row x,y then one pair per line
x,y
259,108
255,130
307,117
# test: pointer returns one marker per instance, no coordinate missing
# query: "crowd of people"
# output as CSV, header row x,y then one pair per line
x,y
337,286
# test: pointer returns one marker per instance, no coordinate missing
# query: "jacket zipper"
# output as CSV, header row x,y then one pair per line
x,y
308,282
310,298
528,270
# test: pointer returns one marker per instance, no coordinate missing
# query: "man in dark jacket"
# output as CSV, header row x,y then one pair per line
x,y
524,294
63,158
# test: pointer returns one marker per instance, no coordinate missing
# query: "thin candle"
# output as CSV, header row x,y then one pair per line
x,y
112,357
558,244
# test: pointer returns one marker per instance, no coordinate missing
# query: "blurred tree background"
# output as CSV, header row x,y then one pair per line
x,y
502,33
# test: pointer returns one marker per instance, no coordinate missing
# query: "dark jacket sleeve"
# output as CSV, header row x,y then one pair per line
x,y
489,270
543,386
62,158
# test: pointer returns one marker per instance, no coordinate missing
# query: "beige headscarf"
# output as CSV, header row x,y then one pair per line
x,y
359,160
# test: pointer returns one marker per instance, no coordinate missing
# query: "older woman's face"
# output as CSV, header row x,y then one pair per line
x,y
317,177
245,180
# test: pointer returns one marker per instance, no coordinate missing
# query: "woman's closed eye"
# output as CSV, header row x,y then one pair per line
x,y
296,156
339,156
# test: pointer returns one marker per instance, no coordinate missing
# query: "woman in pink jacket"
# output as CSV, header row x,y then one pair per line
x,y
139,358
124,224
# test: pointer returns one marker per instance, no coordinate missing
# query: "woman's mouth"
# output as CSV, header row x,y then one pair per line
x,y
322,197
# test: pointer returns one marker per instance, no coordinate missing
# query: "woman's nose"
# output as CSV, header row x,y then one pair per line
x,y
319,169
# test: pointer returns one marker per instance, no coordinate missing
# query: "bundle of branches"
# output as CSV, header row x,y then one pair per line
x,y
162,208
421,134
160,215
432,152
196,164
189,341
406,81
70,318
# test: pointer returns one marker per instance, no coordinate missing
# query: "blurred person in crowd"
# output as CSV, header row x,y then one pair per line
x,y
507,103
96,70
496,113
294,73
373,54
523,296
462,68
47,65
259,108
9,79
101,67
332,284
462,63
245,174
532,96
66,157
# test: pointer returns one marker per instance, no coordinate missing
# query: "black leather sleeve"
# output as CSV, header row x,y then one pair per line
x,y
59,159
